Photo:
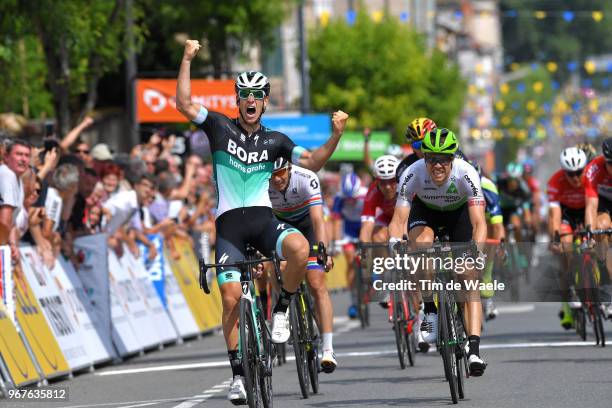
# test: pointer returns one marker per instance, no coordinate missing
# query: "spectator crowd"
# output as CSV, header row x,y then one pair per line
x,y
59,190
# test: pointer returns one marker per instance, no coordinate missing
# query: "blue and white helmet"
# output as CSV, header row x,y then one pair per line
x,y
350,185
252,80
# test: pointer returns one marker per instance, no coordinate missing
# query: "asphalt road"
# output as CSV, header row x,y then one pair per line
x,y
532,363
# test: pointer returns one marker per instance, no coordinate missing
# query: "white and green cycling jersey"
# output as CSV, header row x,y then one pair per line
x,y
461,187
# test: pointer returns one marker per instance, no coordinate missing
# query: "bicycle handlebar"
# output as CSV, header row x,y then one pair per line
x,y
239,264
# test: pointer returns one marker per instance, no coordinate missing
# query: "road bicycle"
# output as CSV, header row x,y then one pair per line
x,y
255,348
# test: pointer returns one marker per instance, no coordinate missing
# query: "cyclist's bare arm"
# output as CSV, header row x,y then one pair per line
x,y
318,223
479,222
365,233
399,222
316,160
554,220
184,104
590,211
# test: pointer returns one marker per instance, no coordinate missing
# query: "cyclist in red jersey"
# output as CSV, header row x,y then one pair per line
x,y
566,213
379,202
598,192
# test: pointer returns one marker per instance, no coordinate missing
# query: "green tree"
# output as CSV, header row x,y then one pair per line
x,y
81,40
554,38
226,28
382,74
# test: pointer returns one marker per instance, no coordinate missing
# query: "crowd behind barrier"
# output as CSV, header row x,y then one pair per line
x,y
99,254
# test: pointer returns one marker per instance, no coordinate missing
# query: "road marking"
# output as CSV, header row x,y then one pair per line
x,y
121,404
510,309
348,327
200,398
140,405
165,368
342,354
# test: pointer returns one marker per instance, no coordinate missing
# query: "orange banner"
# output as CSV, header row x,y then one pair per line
x,y
156,98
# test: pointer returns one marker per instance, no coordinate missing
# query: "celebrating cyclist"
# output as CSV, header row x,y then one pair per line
x,y
243,158
566,204
443,191
295,193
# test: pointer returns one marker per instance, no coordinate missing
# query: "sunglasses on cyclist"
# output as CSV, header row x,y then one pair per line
x,y
576,173
416,145
281,172
257,93
443,160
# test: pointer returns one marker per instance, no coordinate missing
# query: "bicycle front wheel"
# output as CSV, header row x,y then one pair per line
x,y
266,360
249,349
399,329
298,338
447,345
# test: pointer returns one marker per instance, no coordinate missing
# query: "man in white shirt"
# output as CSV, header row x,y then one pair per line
x,y
16,162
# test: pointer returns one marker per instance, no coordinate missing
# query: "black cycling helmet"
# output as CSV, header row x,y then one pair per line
x,y
606,147
281,163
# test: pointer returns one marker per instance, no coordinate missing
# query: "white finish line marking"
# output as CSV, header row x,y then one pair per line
x,y
198,399
346,354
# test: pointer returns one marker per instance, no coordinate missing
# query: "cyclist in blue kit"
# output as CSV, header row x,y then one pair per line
x,y
243,154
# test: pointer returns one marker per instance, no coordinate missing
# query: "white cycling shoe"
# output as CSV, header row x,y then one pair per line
x,y
237,393
476,365
328,361
429,328
280,327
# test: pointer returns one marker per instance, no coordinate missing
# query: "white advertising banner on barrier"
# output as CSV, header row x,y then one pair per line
x,y
67,333
6,281
96,339
124,289
93,273
163,324
177,306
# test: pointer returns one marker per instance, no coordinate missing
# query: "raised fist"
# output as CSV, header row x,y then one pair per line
x,y
339,119
191,49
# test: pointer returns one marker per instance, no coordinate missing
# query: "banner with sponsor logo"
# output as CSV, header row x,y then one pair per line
x,y
155,267
93,274
35,328
6,281
15,356
206,309
177,306
350,147
140,277
156,98
308,131
66,332
123,288
96,340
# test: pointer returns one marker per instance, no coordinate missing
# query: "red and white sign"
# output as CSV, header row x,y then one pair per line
x,y
156,98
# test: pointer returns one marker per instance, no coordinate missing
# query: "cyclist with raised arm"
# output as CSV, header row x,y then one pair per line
x,y
295,193
443,191
566,204
243,154
346,214
598,207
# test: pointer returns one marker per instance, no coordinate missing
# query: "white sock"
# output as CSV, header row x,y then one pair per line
x,y
327,341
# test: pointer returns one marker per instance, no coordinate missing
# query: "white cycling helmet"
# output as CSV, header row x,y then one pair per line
x,y
350,185
573,159
385,167
252,80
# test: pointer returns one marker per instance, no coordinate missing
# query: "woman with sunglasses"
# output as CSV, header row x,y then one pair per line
x,y
566,205
443,191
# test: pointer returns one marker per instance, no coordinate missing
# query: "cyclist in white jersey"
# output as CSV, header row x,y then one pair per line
x,y
441,190
295,193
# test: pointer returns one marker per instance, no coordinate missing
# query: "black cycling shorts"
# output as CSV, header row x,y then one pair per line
x,y
604,205
457,222
236,228
572,217
305,227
